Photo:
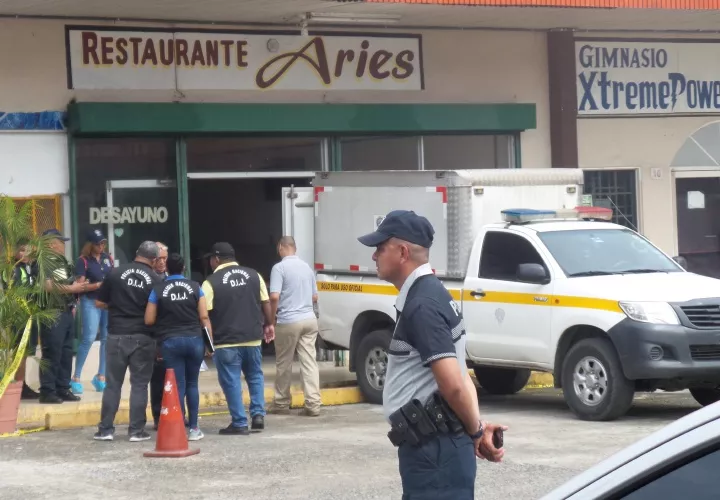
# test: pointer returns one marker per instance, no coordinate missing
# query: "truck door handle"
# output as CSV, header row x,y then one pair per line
x,y
477,293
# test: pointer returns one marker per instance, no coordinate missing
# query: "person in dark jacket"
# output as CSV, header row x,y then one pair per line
x,y
241,315
178,311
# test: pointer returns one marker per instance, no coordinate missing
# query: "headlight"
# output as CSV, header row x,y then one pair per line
x,y
650,312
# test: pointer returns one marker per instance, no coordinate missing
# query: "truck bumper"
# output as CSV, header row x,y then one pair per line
x,y
667,351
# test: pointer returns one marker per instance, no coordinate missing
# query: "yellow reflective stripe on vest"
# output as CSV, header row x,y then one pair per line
x,y
529,299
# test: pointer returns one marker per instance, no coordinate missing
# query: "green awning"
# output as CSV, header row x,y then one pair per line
x,y
138,118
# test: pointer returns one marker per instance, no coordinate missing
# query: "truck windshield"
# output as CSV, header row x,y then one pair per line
x,y
590,252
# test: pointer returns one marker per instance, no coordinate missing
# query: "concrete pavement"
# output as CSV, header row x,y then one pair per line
x,y
343,454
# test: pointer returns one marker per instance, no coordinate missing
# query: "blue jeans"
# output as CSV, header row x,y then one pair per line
x,y
185,355
442,469
230,362
92,320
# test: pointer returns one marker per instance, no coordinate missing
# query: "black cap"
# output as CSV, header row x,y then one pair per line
x,y
95,236
57,234
221,249
405,225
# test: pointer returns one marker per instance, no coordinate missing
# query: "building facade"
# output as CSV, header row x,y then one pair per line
x,y
155,130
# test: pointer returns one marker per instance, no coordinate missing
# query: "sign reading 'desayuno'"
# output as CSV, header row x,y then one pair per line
x,y
636,78
209,60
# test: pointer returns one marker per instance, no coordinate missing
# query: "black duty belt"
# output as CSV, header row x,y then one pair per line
x,y
417,423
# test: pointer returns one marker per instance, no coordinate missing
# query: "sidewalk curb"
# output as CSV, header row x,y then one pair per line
x,y
88,414
540,380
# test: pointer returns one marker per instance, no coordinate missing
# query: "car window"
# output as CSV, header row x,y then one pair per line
x,y
502,253
694,480
585,252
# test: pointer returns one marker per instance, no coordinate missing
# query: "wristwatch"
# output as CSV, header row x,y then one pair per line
x,y
479,433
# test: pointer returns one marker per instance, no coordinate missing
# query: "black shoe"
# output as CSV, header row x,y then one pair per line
x,y
140,436
28,393
68,396
103,436
258,423
231,430
50,399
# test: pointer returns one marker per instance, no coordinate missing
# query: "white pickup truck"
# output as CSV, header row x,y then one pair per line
x,y
594,303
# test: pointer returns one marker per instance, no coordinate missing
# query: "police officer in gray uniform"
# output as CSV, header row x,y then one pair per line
x,y
429,399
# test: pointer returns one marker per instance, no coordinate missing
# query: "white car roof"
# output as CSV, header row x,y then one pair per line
x,y
645,445
558,225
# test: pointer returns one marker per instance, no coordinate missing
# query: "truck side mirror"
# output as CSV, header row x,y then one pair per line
x,y
682,261
532,273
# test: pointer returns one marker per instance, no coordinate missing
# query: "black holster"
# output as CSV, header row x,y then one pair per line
x,y
416,423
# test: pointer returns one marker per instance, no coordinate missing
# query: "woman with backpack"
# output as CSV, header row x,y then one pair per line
x,y
92,267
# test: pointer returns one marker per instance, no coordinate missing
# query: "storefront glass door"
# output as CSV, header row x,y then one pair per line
x,y
140,210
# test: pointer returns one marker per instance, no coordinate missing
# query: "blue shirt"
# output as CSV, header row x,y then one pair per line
x,y
153,299
93,270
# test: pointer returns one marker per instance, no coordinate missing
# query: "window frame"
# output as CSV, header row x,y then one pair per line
x,y
543,259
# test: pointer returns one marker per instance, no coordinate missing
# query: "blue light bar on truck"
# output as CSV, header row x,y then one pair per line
x,y
520,215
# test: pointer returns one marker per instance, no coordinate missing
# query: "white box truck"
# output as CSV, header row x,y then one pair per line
x,y
594,303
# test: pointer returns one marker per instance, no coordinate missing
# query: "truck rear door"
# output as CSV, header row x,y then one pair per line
x,y
507,319
298,220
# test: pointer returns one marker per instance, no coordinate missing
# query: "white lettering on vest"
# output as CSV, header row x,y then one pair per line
x,y
230,277
167,291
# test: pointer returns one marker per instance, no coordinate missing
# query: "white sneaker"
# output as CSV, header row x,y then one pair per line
x,y
204,367
195,435
140,436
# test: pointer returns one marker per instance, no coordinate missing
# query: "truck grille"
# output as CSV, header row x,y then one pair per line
x,y
703,316
705,352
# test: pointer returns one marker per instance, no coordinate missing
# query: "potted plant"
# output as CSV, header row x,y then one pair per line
x,y
20,302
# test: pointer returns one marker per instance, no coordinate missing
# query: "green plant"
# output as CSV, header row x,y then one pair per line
x,y
22,302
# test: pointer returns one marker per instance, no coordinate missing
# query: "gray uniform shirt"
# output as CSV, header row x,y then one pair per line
x,y
293,279
429,327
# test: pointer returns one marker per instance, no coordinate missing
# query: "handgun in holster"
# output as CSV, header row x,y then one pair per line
x,y
454,424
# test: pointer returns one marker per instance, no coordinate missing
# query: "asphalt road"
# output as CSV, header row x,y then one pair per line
x,y
343,454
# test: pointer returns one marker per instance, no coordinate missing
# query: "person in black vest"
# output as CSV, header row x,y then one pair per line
x,y
178,310
240,312
125,292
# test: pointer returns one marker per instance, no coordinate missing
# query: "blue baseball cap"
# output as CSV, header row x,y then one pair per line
x,y
54,232
404,225
95,236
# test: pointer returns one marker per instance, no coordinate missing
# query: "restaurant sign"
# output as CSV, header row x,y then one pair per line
x,y
132,59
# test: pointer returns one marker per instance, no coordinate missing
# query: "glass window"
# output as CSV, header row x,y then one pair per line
x,y
459,152
502,253
118,192
589,252
255,154
379,153
696,480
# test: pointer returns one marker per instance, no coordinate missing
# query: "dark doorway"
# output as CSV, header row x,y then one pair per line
x,y
698,207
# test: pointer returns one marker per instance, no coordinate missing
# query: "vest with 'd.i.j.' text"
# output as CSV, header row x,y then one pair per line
x,y
236,314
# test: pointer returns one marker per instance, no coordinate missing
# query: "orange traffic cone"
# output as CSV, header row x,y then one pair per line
x,y
171,438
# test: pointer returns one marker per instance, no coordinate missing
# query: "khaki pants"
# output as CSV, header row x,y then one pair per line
x,y
290,337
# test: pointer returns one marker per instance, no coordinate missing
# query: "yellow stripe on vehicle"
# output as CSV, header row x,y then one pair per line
x,y
529,299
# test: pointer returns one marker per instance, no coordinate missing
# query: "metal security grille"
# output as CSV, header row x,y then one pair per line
x,y
46,212
615,189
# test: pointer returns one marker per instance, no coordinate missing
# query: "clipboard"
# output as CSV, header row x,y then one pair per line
x,y
207,340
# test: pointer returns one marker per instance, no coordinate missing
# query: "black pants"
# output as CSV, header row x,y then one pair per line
x,y
122,352
442,469
156,388
57,355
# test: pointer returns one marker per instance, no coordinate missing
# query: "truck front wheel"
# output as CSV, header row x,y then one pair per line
x,y
594,385
706,395
501,381
371,364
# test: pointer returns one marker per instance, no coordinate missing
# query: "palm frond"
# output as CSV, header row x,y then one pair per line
x,y
22,301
